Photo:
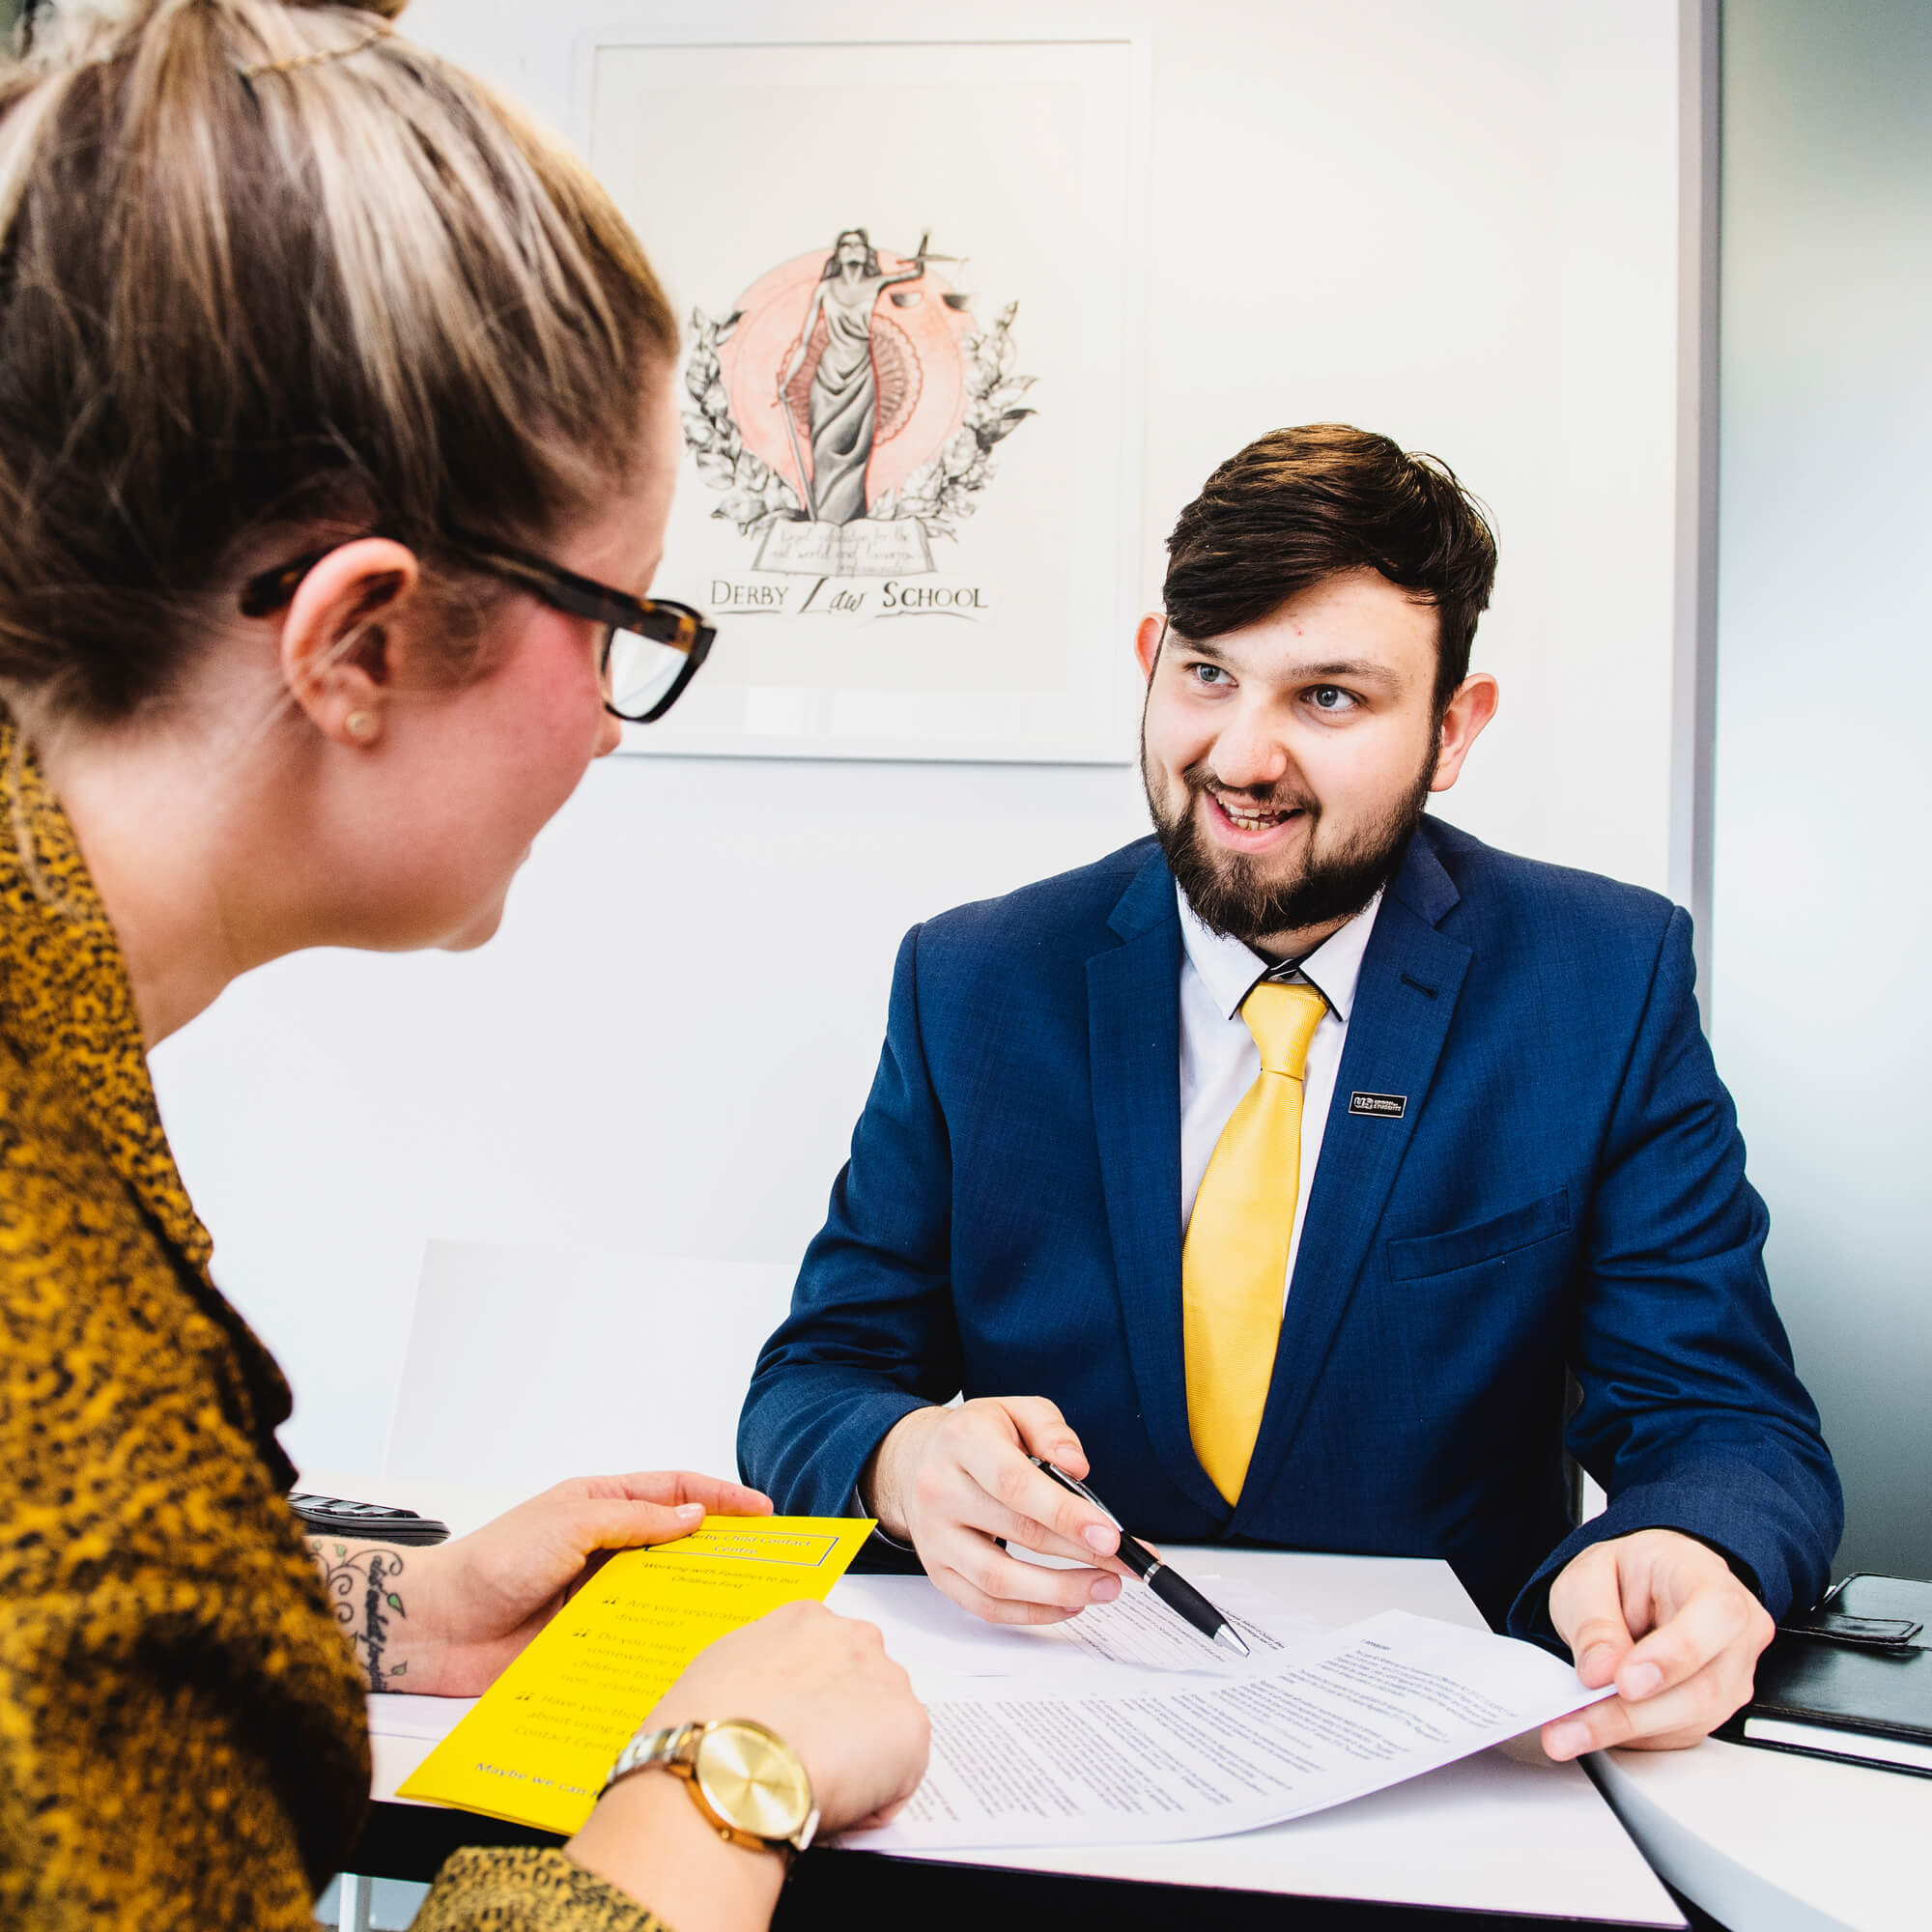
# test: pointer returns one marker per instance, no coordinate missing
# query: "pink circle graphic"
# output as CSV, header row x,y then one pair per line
x,y
917,362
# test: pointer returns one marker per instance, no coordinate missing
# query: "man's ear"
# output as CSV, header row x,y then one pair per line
x,y
1469,711
336,656
1148,637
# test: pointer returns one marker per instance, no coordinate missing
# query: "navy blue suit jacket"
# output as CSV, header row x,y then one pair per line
x,y
1565,1189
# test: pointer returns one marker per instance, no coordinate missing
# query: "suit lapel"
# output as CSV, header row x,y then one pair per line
x,y
1133,1014
1404,1000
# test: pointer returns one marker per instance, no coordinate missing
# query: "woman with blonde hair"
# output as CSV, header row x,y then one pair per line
x,y
336,446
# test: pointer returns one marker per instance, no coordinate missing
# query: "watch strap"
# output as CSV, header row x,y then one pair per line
x,y
650,1749
675,1749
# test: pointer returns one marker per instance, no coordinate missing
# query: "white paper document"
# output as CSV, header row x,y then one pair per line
x,y
391,1715
1138,1629
937,1641
1311,1723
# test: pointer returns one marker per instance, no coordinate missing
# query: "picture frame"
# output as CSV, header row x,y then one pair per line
x,y
910,275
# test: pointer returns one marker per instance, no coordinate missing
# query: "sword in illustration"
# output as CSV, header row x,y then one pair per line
x,y
782,403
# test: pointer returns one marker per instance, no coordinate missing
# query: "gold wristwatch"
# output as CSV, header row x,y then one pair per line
x,y
750,1784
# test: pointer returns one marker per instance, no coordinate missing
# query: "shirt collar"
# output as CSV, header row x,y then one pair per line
x,y
1230,970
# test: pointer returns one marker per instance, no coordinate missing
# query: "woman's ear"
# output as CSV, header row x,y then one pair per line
x,y
337,657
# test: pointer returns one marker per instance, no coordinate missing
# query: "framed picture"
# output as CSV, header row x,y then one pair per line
x,y
911,281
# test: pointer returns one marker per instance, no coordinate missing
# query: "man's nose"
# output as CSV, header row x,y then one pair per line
x,y
1249,753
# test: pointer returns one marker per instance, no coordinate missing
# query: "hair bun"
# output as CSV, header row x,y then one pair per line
x,y
387,8
43,16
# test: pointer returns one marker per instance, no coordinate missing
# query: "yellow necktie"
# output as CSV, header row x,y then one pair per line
x,y
1233,1265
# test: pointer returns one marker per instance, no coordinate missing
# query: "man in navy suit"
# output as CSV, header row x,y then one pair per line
x,y
1285,1171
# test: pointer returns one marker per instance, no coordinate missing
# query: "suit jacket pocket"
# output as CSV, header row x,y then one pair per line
x,y
1463,1247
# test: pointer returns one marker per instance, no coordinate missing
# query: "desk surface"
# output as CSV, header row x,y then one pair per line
x,y
1762,1840
1503,1832
1766,1841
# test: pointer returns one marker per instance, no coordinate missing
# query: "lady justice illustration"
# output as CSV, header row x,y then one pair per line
x,y
846,433
844,408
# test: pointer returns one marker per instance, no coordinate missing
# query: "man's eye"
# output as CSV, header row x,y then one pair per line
x,y
1206,673
1330,697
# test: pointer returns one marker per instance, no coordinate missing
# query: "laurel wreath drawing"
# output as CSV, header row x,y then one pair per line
x,y
754,492
937,495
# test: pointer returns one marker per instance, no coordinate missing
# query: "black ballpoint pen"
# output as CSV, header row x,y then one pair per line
x,y
1169,1585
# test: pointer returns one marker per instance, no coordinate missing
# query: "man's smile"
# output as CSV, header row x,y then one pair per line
x,y
1241,825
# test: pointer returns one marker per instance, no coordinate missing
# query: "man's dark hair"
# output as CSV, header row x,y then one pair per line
x,y
1301,505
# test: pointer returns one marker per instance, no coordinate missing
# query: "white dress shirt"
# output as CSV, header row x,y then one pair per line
x,y
1220,1061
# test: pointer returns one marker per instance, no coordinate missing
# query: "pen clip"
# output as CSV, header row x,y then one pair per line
x,y
1078,1488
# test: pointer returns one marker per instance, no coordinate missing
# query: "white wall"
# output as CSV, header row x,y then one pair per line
x,y
1823,891
1458,225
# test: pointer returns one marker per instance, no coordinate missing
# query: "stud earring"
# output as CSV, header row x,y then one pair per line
x,y
360,725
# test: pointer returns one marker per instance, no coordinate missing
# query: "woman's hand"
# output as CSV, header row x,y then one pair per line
x,y
826,1686
446,1620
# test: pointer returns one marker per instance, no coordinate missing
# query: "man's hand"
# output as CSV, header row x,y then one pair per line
x,y
949,1481
1663,1615
445,1621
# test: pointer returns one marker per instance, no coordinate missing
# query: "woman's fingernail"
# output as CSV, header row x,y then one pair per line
x,y
1568,1740
1099,1536
1641,1680
1105,1589
689,1511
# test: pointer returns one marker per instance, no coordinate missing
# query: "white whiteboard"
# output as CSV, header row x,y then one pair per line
x,y
526,1365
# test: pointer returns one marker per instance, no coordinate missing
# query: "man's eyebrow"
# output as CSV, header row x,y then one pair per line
x,y
1198,648
1358,670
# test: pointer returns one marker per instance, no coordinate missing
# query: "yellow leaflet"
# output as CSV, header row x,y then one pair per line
x,y
538,1745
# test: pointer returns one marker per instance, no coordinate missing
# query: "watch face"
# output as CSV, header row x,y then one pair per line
x,y
754,1779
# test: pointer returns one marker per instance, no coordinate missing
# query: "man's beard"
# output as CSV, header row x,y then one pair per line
x,y
1228,889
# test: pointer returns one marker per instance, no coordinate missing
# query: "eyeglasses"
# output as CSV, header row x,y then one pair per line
x,y
651,648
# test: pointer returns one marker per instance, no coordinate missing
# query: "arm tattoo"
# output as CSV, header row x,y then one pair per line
x,y
360,1579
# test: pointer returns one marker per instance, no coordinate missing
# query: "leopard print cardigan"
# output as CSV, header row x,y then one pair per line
x,y
182,1731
